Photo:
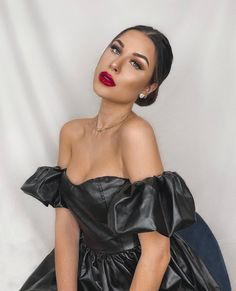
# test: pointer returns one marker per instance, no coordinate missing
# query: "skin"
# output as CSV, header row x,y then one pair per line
x,y
130,81
113,152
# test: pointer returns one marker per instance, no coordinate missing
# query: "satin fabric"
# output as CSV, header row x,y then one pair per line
x,y
111,211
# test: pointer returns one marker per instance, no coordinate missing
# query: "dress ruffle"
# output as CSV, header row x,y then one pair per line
x,y
161,203
44,185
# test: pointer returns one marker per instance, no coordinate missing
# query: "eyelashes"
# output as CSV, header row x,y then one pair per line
x,y
137,66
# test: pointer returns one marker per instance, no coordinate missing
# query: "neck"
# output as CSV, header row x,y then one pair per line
x,y
110,113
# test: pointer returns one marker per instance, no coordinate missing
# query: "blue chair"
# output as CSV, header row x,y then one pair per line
x,y
201,239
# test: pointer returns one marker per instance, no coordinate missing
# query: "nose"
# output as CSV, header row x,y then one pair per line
x,y
114,66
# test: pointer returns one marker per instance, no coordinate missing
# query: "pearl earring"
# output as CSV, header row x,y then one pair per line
x,y
141,95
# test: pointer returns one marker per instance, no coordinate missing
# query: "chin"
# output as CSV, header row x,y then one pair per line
x,y
101,89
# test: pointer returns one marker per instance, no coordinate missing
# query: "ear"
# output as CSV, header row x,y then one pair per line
x,y
151,88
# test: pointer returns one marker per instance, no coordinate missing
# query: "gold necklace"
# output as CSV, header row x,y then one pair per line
x,y
104,128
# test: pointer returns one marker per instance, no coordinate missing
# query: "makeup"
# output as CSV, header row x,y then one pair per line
x,y
106,79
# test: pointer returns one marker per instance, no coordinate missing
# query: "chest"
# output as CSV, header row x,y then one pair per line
x,y
92,157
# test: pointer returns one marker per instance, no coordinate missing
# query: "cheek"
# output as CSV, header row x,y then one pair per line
x,y
133,80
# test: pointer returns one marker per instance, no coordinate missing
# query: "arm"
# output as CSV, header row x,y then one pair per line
x,y
141,159
152,264
67,231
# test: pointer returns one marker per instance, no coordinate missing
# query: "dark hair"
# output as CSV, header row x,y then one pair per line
x,y
163,61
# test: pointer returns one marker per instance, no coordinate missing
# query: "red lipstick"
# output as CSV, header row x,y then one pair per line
x,y
106,79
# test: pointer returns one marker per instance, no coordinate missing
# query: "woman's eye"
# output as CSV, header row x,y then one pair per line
x,y
137,65
115,47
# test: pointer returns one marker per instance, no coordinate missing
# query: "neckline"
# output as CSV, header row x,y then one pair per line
x,y
92,179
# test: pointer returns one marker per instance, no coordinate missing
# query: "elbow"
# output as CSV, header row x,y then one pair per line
x,y
155,249
165,254
156,264
157,257
165,258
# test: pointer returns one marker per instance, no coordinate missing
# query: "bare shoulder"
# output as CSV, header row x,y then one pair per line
x,y
139,149
137,127
70,132
74,128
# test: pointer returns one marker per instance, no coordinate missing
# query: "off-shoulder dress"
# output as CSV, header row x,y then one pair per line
x,y
111,211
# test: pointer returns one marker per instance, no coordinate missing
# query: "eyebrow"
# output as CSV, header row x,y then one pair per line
x,y
135,54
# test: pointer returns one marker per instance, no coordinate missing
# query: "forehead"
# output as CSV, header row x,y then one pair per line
x,y
137,41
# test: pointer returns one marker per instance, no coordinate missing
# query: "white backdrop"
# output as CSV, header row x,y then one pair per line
x,y
48,53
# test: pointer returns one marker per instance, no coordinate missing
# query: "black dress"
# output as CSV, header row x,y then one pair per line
x,y
111,211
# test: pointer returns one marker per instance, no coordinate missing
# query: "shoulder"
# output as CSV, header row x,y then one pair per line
x,y
139,149
74,128
70,132
136,127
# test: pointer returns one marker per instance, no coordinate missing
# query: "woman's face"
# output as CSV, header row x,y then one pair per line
x,y
130,72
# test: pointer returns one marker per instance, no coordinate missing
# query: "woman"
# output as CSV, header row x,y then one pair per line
x,y
117,210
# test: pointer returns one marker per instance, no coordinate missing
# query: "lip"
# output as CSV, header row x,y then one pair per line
x,y
106,79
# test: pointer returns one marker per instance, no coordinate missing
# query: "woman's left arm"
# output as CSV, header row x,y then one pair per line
x,y
152,264
141,159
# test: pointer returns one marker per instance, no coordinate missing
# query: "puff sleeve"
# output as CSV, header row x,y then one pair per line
x,y
161,203
44,185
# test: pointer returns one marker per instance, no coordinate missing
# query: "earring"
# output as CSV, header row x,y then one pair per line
x,y
141,95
